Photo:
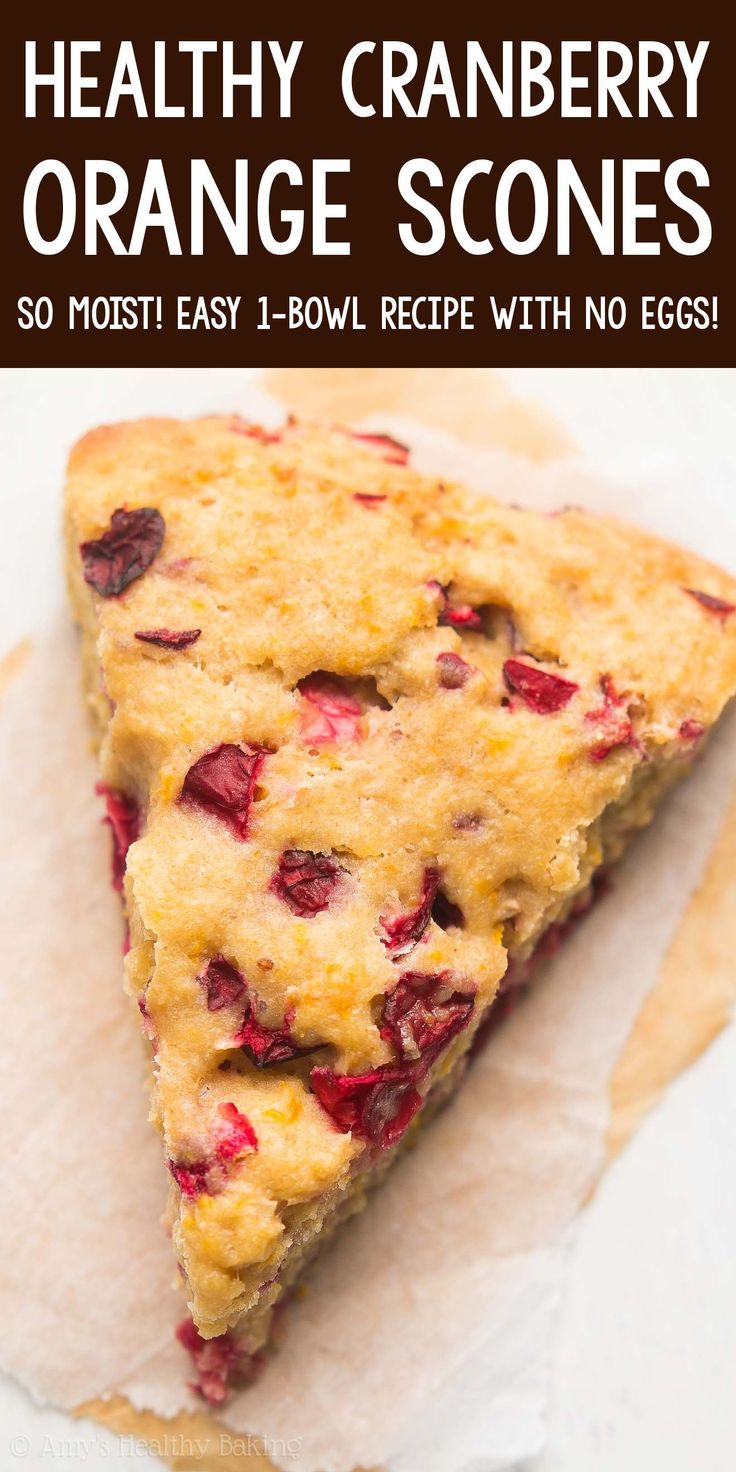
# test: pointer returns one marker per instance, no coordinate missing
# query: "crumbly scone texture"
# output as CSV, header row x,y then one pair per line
x,y
367,632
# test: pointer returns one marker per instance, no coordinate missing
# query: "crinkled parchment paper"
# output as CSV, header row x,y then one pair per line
x,y
421,1341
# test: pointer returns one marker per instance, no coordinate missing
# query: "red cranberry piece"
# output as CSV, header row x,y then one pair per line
x,y
364,499
388,1110
542,692
715,605
223,982
461,617
375,1106
123,819
218,1362
255,431
613,723
190,1176
234,1133
453,671
402,932
691,730
223,782
225,985
467,822
267,1045
423,1014
306,881
123,552
389,449
329,712
169,638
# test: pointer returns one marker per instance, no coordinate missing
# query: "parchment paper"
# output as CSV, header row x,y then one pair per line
x,y
422,1339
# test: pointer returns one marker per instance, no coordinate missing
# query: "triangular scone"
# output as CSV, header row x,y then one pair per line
x,y
364,735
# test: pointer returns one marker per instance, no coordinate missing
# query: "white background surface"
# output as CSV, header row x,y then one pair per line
x,y
644,1373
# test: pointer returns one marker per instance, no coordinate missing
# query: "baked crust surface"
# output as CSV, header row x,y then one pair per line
x,y
329,583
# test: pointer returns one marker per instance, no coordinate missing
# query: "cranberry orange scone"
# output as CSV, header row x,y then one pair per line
x,y
365,737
